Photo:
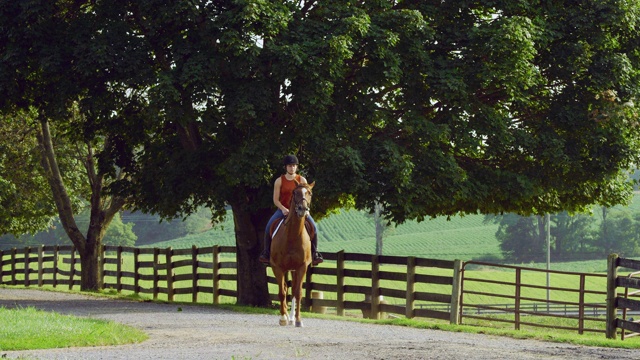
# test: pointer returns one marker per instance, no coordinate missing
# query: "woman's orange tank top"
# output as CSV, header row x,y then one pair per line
x,y
286,189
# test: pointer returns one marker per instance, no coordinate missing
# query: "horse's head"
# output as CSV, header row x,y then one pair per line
x,y
301,199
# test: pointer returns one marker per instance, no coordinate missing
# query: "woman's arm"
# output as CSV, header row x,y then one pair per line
x,y
276,196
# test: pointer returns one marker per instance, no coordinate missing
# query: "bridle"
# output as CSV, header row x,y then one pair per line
x,y
302,205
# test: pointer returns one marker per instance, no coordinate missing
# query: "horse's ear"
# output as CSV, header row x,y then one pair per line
x,y
312,185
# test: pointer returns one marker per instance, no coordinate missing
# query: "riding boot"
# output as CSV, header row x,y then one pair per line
x,y
265,256
317,257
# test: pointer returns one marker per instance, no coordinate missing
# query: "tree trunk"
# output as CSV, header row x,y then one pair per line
x,y
91,269
252,275
380,227
101,214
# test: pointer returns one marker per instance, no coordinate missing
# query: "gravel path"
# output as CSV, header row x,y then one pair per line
x,y
200,332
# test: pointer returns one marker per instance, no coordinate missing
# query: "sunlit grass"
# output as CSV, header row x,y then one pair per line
x,y
544,334
30,328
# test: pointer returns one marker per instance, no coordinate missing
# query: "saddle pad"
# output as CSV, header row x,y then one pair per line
x,y
277,224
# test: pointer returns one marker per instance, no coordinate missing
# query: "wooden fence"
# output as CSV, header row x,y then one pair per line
x,y
526,296
616,302
353,282
347,282
386,275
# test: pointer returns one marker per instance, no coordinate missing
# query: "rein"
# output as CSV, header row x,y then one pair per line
x,y
296,203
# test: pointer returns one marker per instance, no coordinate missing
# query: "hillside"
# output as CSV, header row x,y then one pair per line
x,y
459,238
464,238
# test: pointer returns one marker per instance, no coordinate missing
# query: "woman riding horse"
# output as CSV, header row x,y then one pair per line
x,y
291,253
282,192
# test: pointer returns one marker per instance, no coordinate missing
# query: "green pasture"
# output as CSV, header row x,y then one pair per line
x,y
462,238
29,328
459,237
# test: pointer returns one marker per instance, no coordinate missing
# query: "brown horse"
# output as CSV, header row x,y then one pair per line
x,y
291,251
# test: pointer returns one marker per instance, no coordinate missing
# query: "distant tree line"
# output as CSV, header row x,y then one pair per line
x,y
572,237
127,229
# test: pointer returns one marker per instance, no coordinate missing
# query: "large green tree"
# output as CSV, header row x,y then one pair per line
x,y
428,107
26,204
42,74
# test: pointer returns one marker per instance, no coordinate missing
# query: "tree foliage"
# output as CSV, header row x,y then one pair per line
x,y
428,107
619,232
573,237
25,199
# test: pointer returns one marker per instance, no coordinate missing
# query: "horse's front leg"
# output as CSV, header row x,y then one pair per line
x,y
297,294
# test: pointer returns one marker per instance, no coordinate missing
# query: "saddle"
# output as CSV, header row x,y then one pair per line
x,y
307,225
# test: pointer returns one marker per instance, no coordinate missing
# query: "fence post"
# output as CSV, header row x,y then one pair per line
x,y
119,269
456,292
517,299
1,266
308,287
583,282
216,274
40,266
27,251
14,252
156,253
136,270
72,269
340,283
375,287
103,253
612,275
411,287
169,274
194,274
56,250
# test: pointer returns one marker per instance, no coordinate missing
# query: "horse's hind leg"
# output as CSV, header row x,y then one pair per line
x,y
282,296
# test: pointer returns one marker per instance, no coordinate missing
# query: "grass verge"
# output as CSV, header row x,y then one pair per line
x,y
30,328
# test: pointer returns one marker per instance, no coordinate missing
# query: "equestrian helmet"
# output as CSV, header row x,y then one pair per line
x,y
290,159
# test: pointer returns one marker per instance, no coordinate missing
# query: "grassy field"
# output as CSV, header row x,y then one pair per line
x,y
30,328
462,237
353,231
465,238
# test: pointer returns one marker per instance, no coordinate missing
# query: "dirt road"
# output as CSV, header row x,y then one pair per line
x,y
200,332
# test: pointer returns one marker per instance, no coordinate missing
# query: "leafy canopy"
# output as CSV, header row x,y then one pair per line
x,y
428,107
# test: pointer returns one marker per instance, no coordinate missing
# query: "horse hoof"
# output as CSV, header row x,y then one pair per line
x,y
299,324
290,322
283,322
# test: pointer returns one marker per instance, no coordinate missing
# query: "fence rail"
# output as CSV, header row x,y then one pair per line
x,y
525,295
367,283
375,285
625,303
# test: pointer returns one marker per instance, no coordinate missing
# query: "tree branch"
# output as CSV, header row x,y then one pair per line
x,y
60,196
